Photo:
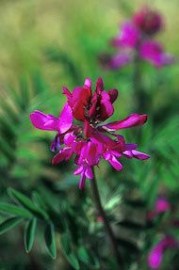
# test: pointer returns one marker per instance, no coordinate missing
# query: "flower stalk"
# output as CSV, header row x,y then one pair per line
x,y
139,94
107,226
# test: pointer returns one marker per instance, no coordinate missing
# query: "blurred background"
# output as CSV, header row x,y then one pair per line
x,y
45,45
80,31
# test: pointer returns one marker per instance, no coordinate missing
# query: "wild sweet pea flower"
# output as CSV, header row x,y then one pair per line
x,y
156,254
81,133
162,205
148,21
136,38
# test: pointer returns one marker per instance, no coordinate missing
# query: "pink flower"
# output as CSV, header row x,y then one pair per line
x,y
79,99
156,254
95,106
162,205
153,52
135,38
129,36
80,132
119,60
148,21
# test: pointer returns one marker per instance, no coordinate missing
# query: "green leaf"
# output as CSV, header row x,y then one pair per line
x,y
50,240
8,224
29,234
14,210
27,203
88,258
84,256
69,254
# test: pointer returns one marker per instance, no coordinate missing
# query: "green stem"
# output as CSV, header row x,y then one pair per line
x,y
141,98
109,231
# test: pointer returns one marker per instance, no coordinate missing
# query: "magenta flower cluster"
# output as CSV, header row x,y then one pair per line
x,y
156,254
81,133
162,205
135,39
167,241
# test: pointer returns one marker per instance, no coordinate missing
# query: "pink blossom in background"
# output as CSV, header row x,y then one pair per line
x,y
136,38
155,256
129,36
154,53
81,133
162,205
148,21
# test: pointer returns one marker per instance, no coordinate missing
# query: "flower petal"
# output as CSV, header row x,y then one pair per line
x,y
128,36
99,86
113,161
82,181
78,170
106,107
65,119
131,121
79,100
64,154
155,257
49,122
89,172
43,121
148,21
162,205
113,93
153,52
156,254
88,82
119,60
140,155
56,144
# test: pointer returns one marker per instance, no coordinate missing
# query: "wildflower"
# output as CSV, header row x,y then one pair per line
x,y
81,133
156,254
162,205
136,38
153,52
148,21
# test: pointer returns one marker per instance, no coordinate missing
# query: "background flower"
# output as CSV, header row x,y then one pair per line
x,y
135,38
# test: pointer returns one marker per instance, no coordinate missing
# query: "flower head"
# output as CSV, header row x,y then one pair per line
x,y
148,21
85,105
156,254
136,38
162,205
153,52
81,133
129,36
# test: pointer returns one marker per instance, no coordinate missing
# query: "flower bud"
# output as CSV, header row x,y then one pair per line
x,y
148,21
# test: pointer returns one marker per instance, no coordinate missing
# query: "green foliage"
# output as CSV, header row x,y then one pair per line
x,y
50,240
27,203
14,210
29,235
66,247
9,224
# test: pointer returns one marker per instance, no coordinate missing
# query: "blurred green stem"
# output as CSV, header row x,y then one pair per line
x,y
107,226
141,99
